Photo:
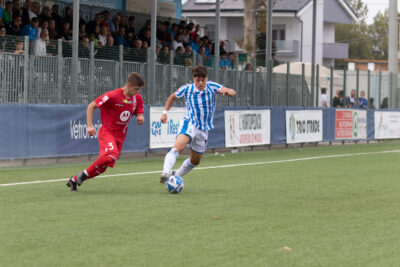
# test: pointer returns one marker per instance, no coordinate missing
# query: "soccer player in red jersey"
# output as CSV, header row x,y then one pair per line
x,y
116,109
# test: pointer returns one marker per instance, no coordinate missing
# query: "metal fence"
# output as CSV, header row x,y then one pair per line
x,y
25,78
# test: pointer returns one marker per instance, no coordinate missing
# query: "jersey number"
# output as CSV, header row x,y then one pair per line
x,y
110,147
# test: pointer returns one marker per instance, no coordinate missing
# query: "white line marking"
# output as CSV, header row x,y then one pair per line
x,y
216,167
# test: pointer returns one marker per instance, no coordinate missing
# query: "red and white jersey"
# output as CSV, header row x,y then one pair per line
x,y
116,110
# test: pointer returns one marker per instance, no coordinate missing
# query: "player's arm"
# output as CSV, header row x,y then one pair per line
x,y
227,91
170,101
89,118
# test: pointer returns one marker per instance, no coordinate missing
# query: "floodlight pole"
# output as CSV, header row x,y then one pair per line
x,y
74,67
268,64
313,51
216,45
152,51
393,53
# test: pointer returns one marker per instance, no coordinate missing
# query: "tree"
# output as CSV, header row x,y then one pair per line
x,y
379,31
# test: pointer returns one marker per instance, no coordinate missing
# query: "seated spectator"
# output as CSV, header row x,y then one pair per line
x,y
30,29
163,57
185,36
84,49
82,31
179,56
45,15
53,34
130,37
94,35
124,22
7,13
145,45
385,103
109,51
66,34
19,47
102,36
338,100
362,100
106,19
68,16
146,37
3,39
14,27
209,48
224,63
248,67
44,25
232,59
146,27
119,38
188,52
173,30
371,103
352,100
39,46
222,46
177,42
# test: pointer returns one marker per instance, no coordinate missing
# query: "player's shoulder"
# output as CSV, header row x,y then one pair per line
x,y
214,84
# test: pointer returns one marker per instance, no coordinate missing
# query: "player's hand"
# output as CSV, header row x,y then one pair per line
x,y
164,118
140,120
91,130
224,91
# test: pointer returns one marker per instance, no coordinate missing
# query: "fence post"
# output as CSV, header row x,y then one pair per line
x,y
26,69
194,58
344,85
317,87
369,85
331,88
380,89
253,81
60,72
357,88
236,79
121,65
302,84
287,82
91,73
171,72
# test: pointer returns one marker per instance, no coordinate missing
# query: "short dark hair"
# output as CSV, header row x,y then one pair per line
x,y
134,78
323,90
199,71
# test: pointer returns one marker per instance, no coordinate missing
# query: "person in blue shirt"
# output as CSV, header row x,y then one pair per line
x,y
30,29
362,100
1,14
119,39
200,101
224,63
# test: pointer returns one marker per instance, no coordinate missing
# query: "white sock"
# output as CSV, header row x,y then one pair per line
x,y
169,161
185,168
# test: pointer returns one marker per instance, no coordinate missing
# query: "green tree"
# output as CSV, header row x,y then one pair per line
x,y
378,32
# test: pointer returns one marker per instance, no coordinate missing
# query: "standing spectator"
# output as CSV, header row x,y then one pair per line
x,y
3,39
195,43
177,42
102,36
14,27
1,15
146,27
44,25
45,15
338,100
200,57
385,103
188,51
53,34
39,46
114,25
55,15
19,48
195,32
30,29
173,30
371,103
7,13
83,49
324,99
224,63
93,36
362,100
109,51
222,46
179,56
34,11
352,101
17,12
131,25
185,36
106,19
68,16
25,12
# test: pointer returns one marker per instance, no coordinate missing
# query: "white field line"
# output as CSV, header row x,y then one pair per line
x,y
217,167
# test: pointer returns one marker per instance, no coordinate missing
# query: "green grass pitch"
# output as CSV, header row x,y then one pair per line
x,y
329,211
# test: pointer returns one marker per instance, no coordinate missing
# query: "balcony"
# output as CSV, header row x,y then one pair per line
x,y
335,50
287,48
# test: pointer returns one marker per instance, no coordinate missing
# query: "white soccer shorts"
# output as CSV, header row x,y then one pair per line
x,y
198,138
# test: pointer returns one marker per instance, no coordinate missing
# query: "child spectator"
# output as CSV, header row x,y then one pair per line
x,y
31,30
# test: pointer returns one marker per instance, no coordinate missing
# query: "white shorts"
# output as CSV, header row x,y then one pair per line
x,y
198,138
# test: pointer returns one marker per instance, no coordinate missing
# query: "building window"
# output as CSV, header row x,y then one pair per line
x,y
278,32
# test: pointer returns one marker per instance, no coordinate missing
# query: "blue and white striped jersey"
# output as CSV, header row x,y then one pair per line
x,y
200,104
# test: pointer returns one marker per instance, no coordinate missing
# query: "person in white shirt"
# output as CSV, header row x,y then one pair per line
x,y
323,99
39,46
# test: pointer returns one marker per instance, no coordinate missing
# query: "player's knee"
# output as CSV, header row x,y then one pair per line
x,y
195,161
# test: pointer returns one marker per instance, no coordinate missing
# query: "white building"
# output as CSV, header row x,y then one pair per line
x,y
292,26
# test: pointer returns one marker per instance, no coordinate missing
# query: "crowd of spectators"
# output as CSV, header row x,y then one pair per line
x,y
43,25
352,101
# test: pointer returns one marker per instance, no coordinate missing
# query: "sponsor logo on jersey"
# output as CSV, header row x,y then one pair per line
x,y
125,115
126,101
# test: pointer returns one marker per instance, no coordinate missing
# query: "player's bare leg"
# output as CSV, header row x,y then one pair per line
x,y
189,163
181,141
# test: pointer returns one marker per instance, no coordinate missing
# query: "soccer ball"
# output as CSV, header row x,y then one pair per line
x,y
174,184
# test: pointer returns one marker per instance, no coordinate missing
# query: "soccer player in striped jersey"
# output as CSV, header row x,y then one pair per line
x,y
193,129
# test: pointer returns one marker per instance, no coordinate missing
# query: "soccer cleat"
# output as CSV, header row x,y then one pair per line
x,y
80,178
72,185
163,178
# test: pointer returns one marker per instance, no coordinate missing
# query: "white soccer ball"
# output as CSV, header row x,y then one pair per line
x,y
174,184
